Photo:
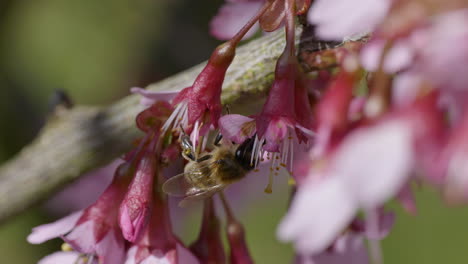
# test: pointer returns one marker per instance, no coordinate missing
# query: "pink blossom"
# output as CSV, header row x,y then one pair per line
x,y
149,97
321,210
237,128
232,16
158,244
431,56
199,106
284,122
92,231
135,208
398,57
97,231
337,19
56,229
443,52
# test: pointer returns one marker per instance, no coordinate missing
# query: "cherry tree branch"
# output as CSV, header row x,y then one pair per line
x,y
84,138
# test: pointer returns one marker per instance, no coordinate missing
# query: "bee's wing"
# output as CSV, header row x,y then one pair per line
x,y
179,185
201,195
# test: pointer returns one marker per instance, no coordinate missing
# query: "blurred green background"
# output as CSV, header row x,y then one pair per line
x,y
96,51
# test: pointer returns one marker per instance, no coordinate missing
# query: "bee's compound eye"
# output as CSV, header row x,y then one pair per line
x,y
238,154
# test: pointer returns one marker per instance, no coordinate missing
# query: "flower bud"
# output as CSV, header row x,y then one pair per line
x,y
236,237
209,248
135,208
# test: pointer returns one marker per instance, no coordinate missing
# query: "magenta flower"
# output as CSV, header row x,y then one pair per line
x,y
199,106
158,244
281,124
135,208
95,230
338,19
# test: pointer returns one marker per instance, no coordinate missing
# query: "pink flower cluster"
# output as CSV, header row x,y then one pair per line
x,y
391,112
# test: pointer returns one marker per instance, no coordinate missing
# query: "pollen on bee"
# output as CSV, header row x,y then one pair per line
x,y
256,170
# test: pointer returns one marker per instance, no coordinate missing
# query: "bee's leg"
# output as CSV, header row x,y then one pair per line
x,y
218,139
187,148
206,157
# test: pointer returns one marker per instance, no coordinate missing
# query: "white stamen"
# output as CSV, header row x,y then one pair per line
x,y
205,140
194,135
171,118
254,150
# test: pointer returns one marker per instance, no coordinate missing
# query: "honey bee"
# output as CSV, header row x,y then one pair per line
x,y
211,172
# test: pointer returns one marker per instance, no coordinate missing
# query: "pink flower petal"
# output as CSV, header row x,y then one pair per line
x,y
385,221
82,237
232,17
375,162
60,227
149,97
185,256
84,191
406,198
353,252
111,249
236,127
398,57
444,52
406,87
60,258
318,213
337,19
